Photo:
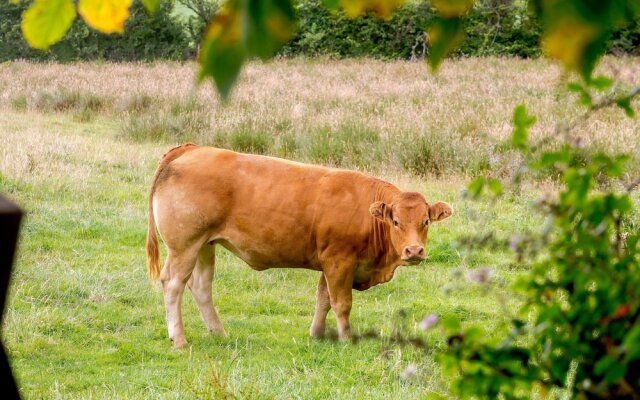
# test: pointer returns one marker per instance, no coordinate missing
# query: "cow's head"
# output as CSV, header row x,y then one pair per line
x,y
409,216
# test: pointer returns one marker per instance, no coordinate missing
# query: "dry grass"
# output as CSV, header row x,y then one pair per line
x,y
469,96
363,113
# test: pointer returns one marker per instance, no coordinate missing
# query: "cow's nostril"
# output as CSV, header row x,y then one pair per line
x,y
413,252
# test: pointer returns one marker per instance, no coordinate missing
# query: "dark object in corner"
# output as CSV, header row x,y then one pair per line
x,y
10,216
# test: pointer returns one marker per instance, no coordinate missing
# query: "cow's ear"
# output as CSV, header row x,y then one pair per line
x,y
379,210
440,211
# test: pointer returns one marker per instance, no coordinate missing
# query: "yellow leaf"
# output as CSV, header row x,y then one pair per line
x,y
46,22
452,8
353,8
224,26
107,16
279,26
567,42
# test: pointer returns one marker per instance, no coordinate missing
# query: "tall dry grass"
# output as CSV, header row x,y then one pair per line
x,y
360,113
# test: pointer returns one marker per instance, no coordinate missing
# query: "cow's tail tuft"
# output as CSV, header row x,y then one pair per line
x,y
153,246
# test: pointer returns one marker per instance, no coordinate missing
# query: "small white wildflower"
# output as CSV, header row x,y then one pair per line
x,y
429,321
409,372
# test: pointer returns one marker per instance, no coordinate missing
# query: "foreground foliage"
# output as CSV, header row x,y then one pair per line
x,y
579,328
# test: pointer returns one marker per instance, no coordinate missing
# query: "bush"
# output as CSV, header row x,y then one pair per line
x,y
183,122
247,141
201,12
349,146
501,27
146,37
430,154
323,33
493,27
627,39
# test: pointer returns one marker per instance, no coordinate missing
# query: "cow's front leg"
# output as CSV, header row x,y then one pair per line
x,y
339,283
323,305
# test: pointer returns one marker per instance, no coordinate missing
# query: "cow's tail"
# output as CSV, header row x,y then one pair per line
x,y
153,246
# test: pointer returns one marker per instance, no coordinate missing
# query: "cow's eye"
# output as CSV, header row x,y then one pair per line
x,y
395,223
426,223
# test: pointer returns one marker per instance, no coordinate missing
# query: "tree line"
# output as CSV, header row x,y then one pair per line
x,y
492,28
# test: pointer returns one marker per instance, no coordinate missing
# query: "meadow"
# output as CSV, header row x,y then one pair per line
x,y
79,144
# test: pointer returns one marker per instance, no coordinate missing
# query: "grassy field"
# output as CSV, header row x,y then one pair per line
x,y
79,144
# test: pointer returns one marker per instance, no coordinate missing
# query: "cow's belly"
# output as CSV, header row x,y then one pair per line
x,y
262,254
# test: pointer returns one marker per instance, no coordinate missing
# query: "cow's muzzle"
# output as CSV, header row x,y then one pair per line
x,y
413,254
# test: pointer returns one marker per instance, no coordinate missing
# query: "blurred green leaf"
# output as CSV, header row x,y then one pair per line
x,y
625,104
241,29
615,372
632,343
601,82
585,96
331,4
575,87
576,31
473,334
475,187
445,35
495,186
222,52
522,121
151,5
585,99
451,323
270,24
46,21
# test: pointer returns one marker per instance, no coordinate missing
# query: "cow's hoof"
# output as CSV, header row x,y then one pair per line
x,y
316,332
218,332
179,343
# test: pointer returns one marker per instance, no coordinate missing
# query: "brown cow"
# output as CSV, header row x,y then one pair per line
x,y
353,228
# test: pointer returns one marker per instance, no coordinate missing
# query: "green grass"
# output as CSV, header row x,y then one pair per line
x,y
84,322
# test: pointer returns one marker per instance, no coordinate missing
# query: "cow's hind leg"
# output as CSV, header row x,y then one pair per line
x,y
323,305
175,274
200,285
